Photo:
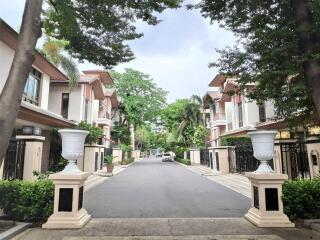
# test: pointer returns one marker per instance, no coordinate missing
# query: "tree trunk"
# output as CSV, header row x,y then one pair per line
x,y
308,41
11,95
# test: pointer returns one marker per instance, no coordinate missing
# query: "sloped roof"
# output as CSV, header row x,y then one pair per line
x,y
103,74
10,37
111,93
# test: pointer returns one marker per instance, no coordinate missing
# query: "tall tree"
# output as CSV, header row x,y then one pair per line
x,y
140,97
278,50
96,32
53,51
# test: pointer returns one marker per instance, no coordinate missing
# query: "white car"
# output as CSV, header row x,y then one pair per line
x,y
167,157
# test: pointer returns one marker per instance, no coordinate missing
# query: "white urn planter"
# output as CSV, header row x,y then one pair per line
x,y
263,148
72,147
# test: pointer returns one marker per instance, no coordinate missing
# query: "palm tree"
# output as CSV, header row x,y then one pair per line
x,y
53,50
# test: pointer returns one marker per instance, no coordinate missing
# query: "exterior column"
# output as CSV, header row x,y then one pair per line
x,y
267,206
313,148
32,155
68,200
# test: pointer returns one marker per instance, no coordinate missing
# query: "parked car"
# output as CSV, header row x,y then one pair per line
x,y
167,157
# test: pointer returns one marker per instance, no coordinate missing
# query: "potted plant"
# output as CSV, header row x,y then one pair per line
x,y
108,163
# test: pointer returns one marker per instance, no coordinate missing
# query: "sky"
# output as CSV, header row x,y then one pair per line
x,y
175,53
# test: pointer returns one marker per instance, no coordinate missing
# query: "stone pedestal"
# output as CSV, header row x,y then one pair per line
x,y
68,199
267,206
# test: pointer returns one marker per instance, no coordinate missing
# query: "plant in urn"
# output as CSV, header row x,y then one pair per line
x,y
263,148
72,147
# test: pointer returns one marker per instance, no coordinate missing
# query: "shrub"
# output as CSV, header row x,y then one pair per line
x,y
109,159
95,133
301,199
184,161
127,150
236,141
26,200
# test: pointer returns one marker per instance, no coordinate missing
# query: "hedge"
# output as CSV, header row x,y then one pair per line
x,y
236,141
301,199
26,200
183,161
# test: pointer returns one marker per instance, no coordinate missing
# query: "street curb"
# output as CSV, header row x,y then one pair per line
x,y
14,231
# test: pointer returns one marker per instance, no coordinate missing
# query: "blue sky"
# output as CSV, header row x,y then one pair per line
x,y
175,53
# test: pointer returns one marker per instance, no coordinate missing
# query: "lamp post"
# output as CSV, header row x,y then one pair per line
x,y
69,184
266,185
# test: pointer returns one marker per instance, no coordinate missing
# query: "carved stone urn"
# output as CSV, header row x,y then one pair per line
x,y
72,147
263,148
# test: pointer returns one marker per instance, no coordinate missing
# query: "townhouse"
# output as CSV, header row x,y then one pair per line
x,y
233,115
29,148
95,101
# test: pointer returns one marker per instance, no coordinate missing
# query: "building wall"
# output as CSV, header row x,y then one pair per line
x,y
44,91
6,58
75,111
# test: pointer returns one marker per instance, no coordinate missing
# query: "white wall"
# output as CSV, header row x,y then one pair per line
x,y
44,91
6,57
76,101
251,113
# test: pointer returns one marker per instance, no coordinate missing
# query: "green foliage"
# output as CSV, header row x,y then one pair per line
x,y
59,165
274,51
98,31
141,99
236,141
53,51
184,161
27,201
127,161
179,151
199,136
127,149
301,199
95,133
181,119
121,133
109,159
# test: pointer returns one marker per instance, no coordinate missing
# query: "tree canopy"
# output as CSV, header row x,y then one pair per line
x,y
141,99
277,49
97,31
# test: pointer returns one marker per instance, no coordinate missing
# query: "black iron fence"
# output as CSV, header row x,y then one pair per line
x,y
204,157
14,159
294,160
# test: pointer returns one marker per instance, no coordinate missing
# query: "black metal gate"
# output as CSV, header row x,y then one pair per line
x,y
294,160
14,159
245,161
204,157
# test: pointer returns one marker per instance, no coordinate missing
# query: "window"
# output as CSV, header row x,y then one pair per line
x,y
262,113
240,114
31,89
65,105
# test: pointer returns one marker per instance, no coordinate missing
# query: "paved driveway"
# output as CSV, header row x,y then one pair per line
x,y
152,189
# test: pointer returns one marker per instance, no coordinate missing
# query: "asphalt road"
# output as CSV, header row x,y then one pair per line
x,y
153,189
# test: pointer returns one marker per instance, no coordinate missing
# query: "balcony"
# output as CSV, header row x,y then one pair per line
x,y
219,119
104,118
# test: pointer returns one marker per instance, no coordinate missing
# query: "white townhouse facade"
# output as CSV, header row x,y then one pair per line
x,y
232,115
92,100
29,148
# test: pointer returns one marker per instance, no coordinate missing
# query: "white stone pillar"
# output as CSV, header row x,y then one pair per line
x,y
68,200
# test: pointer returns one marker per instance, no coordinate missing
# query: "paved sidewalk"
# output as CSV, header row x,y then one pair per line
x,y
156,229
237,182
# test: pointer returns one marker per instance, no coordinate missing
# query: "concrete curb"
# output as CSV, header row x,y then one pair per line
x,y
14,231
